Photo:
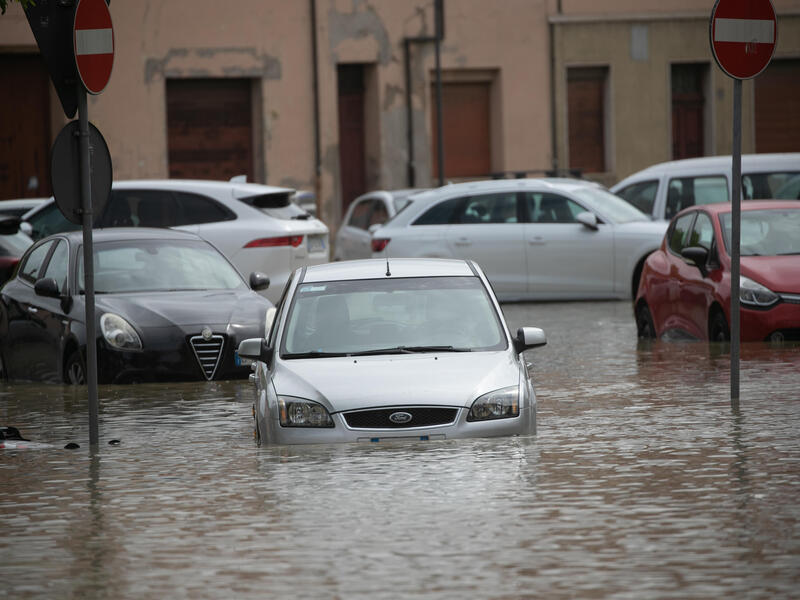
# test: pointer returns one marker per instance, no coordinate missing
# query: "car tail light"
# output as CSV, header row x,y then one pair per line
x,y
378,244
286,240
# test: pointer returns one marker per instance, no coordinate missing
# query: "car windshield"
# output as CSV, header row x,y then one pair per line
x,y
610,205
769,232
159,266
391,316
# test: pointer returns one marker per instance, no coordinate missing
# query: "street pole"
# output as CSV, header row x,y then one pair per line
x,y
88,265
736,214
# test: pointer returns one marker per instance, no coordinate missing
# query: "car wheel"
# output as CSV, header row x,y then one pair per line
x,y
718,328
645,328
74,370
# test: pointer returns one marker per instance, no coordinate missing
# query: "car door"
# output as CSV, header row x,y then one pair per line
x,y
564,257
695,290
354,237
487,228
670,312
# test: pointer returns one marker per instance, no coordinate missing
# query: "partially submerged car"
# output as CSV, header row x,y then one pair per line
x,y
169,307
377,350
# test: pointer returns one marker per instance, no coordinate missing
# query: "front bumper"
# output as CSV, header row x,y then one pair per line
x,y
779,322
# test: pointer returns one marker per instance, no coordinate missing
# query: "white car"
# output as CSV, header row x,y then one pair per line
x,y
377,351
536,239
663,190
257,227
19,206
365,214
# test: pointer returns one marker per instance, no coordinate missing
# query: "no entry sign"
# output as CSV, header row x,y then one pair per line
x,y
743,34
93,42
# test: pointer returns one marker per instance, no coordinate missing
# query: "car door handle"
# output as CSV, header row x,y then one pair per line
x,y
462,241
536,240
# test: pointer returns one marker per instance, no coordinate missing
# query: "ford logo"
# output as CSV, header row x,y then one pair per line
x,y
400,417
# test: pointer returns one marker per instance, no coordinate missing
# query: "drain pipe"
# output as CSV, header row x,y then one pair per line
x,y
315,87
553,113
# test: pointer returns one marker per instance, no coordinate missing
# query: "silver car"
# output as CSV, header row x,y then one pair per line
x,y
377,350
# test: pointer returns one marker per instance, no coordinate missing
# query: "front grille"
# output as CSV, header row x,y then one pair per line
x,y
208,353
421,416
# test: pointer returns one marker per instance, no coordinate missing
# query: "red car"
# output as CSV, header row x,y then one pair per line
x,y
685,285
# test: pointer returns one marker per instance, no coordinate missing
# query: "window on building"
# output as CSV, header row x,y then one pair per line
x,y
586,115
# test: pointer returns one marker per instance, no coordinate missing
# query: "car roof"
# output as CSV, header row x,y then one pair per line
x,y
747,205
130,233
239,189
466,187
375,268
750,162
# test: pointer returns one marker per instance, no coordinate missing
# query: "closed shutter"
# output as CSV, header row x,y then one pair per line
x,y
465,128
209,128
777,96
586,118
352,140
687,110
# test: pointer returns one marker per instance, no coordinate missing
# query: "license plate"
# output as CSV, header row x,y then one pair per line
x,y
239,361
316,243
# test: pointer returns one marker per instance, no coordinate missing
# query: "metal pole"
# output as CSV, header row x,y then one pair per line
x,y
88,265
736,213
439,127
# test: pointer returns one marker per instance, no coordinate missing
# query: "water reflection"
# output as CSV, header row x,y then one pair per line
x,y
640,483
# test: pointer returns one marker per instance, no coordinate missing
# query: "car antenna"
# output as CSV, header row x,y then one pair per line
x,y
388,272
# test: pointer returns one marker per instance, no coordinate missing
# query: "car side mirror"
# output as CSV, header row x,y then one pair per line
x,y
587,219
529,337
258,281
47,287
26,228
255,349
374,227
699,256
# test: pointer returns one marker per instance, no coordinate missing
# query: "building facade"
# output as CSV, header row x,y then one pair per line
x,y
341,96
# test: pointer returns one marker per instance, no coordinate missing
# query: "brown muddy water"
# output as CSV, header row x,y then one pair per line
x,y
641,483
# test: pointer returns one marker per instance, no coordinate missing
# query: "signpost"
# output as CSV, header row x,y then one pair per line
x,y
742,35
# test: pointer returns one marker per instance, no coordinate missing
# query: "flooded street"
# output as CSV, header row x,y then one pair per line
x,y
641,483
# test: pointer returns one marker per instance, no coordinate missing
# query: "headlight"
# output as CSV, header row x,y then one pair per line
x,y
119,333
296,412
499,404
755,294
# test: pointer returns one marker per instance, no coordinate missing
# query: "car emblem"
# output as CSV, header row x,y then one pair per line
x,y
206,333
400,417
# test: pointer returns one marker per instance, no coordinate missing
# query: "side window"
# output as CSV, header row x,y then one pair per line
x,y
702,232
58,265
196,209
690,191
440,214
118,213
29,270
48,221
641,195
360,215
148,208
379,214
679,234
489,208
552,208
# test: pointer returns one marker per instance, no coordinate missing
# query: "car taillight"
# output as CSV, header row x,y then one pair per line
x,y
378,244
287,240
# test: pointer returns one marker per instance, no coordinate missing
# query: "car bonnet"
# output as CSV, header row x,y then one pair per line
x,y
351,383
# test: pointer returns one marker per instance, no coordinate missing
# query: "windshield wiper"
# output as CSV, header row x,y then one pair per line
x,y
409,350
314,354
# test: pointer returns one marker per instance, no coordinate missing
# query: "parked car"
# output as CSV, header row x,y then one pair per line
x,y
535,239
17,208
169,306
665,189
363,216
256,226
13,244
686,289
377,350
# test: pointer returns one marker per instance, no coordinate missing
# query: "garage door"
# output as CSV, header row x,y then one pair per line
x,y
777,95
209,125
465,128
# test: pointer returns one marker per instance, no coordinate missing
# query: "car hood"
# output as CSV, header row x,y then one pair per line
x,y
444,379
778,273
187,309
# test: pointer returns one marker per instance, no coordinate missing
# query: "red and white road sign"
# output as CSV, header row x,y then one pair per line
x,y
743,35
93,43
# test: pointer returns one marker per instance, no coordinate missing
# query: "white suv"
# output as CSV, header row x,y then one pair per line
x,y
256,226
663,190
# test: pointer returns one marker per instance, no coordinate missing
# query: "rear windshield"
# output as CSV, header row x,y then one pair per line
x,y
278,206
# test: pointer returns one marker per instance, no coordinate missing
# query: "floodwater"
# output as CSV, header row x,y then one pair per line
x,y
641,483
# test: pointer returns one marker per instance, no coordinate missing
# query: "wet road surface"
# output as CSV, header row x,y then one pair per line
x,y
641,483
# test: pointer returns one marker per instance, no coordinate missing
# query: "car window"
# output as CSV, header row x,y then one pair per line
x,y
683,192
442,213
489,208
762,186
702,232
790,190
544,207
679,232
140,208
359,218
58,265
379,214
48,221
641,195
768,232
32,264
194,209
